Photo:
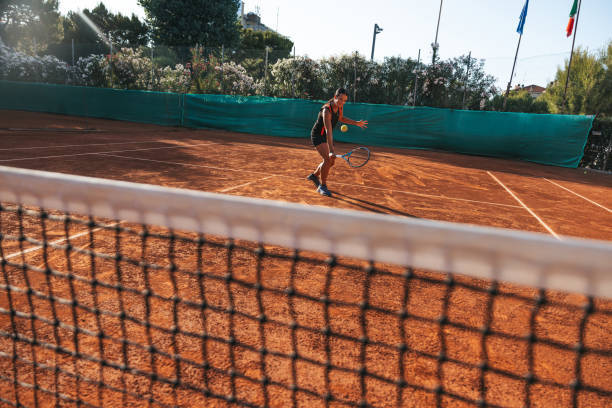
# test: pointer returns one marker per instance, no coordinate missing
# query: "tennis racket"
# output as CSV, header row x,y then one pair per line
x,y
357,157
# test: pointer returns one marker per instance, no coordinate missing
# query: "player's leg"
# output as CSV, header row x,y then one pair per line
x,y
324,167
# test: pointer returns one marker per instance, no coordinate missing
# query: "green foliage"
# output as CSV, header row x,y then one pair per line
x,y
259,40
211,23
203,73
519,101
123,31
30,25
18,66
445,83
397,84
235,80
589,85
603,93
360,77
298,77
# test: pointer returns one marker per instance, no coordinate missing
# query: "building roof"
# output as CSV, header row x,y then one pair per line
x,y
532,88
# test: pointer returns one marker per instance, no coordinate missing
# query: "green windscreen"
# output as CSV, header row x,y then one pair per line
x,y
548,139
159,108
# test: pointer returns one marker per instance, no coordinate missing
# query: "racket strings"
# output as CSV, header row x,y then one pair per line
x,y
358,157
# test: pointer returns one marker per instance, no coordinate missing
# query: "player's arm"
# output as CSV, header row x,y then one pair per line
x,y
361,123
327,117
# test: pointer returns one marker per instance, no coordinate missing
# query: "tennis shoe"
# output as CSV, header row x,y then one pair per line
x,y
324,191
312,177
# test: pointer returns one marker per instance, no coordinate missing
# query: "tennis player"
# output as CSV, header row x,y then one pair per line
x,y
322,137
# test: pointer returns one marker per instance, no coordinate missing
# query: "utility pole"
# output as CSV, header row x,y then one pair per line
x,y
293,74
266,72
435,44
416,76
467,77
355,78
377,30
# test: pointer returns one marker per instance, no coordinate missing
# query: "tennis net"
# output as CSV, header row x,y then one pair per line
x,y
122,294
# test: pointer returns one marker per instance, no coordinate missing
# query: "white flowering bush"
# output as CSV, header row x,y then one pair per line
x,y
235,79
17,66
131,70
299,77
177,79
92,70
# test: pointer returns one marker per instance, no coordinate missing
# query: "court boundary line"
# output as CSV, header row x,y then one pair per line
x,y
524,206
112,151
246,184
298,178
80,145
57,241
584,198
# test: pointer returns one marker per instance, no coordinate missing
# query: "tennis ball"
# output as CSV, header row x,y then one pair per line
x,y
344,128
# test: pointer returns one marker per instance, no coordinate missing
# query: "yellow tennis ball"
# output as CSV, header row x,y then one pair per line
x,y
344,128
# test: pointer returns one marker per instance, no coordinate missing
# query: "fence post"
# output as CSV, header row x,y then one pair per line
x,y
416,77
266,73
355,79
152,71
110,40
467,77
73,52
293,75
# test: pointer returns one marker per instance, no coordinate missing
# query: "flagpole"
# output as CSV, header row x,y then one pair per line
x,y
512,74
569,66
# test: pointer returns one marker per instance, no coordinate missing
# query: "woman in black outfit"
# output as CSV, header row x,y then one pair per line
x,y
322,137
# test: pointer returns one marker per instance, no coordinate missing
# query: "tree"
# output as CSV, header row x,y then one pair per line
x,y
360,76
398,80
30,25
251,50
587,91
211,23
299,77
519,101
259,40
445,83
124,31
604,89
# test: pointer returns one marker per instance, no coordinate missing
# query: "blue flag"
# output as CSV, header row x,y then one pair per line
x,y
522,18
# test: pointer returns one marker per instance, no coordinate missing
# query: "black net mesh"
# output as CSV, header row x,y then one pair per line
x,y
100,313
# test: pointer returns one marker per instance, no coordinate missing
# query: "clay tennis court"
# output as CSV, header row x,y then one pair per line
x,y
424,184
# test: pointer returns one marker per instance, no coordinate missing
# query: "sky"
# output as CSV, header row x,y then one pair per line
x,y
486,28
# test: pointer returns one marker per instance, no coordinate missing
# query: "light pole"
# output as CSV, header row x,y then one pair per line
x,y
435,44
377,30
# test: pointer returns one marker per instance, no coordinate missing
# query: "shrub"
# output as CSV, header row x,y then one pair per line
x,y
17,66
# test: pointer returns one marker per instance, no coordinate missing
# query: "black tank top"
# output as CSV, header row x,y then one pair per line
x,y
319,127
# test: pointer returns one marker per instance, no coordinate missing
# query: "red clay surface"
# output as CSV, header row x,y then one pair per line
x,y
424,184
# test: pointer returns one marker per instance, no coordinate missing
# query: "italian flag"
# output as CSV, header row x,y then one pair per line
x,y
570,25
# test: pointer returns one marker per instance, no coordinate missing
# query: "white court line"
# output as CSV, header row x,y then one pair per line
x,y
524,206
112,151
36,248
341,184
81,145
245,184
190,165
583,197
